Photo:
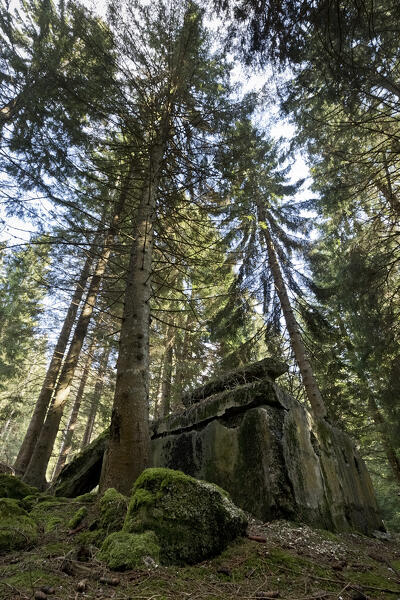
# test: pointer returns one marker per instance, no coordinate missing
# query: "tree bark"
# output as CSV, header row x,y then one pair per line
x,y
70,429
312,390
391,455
49,384
97,392
36,471
128,451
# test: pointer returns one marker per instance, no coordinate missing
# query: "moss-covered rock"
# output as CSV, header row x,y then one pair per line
x,y
113,507
122,551
52,513
29,502
77,517
192,519
12,487
17,529
87,498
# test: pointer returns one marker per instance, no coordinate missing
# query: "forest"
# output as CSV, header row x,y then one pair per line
x,y
188,188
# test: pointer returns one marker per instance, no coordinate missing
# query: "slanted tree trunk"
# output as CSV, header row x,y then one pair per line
x,y
49,384
312,390
391,455
36,471
70,429
128,451
166,383
97,392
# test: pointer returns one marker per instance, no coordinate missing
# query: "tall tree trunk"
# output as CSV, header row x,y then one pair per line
x,y
312,390
167,372
97,392
70,429
6,428
49,384
128,451
393,459
35,473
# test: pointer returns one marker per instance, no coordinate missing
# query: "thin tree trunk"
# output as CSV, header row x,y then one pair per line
x,y
309,382
49,384
157,397
5,431
97,392
128,451
36,470
393,459
70,429
167,372
182,357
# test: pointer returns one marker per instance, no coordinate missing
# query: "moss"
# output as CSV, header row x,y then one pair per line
x,y
192,519
142,498
12,487
54,549
92,538
52,513
23,580
122,551
89,497
29,502
17,529
78,517
113,507
374,579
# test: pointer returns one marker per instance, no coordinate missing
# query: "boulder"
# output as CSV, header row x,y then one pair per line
x,y
273,458
193,520
17,529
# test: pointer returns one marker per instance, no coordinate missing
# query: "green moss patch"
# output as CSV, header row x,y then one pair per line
x,y
13,487
32,578
122,551
53,513
17,529
192,519
78,517
113,507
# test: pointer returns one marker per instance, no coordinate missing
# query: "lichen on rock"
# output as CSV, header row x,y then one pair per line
x,y
122,550
192,519
13,487
17,529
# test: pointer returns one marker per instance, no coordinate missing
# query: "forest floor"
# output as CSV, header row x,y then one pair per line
x,y
283,560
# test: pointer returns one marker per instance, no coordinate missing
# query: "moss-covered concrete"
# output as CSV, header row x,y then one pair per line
x,y
13,487
121,550
192,519
82,475
267,367
262,446
17,529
